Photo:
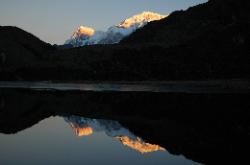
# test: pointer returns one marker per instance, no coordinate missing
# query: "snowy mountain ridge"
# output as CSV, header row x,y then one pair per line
x,y
88,36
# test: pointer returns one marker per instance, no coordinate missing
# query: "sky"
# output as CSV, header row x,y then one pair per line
x,y
54,21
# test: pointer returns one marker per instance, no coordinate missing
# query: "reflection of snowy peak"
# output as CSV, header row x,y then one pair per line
x,y
87,36
111,128
85,127
139,145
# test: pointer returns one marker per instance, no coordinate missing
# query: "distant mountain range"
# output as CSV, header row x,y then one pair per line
x,y
206,42
88,36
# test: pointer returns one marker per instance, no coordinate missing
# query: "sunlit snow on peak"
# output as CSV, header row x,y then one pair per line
x,y
141,19
88,36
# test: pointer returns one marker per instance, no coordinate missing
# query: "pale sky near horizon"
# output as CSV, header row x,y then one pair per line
x,y
54,21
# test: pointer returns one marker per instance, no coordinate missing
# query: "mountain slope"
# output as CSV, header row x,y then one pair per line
x,y
183,26
81,35
19,48
88,36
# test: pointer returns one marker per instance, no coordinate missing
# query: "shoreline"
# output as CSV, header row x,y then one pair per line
x,y
210,86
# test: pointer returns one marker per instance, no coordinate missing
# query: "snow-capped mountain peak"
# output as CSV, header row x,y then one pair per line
x,y
141,18
88,36
83,30
80,36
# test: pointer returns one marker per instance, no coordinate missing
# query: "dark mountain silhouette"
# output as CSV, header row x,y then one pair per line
x,y
16,41
208,41
19,48
182,27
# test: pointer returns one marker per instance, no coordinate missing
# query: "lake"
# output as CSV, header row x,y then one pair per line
x,y
77,140
123,123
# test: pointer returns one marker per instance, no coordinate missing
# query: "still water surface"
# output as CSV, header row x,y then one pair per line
x,y
78,140
220,86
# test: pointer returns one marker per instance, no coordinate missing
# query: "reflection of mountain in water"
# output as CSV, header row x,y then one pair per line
x,y
207,128
85,127
140,145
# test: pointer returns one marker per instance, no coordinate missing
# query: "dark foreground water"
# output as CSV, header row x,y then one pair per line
x,y
78,140
140,124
